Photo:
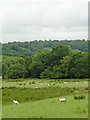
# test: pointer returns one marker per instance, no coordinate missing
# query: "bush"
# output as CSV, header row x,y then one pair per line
x,y
20,84
82,97
79,97
75,97
86,88
53,83
74,88
30,83
33,82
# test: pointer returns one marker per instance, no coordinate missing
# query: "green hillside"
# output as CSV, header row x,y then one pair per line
x,y
32,47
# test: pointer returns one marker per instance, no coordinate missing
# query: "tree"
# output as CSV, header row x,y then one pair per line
x,y
82,66
47,73
36,68
75,65
57,54
16,71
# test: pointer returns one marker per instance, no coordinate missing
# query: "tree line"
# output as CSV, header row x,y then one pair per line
x,y
32,47
60,62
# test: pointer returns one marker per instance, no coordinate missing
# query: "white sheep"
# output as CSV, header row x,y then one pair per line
x,y
62,100
36,87
76,82
15,102
65,82
41,83
85,82
48,84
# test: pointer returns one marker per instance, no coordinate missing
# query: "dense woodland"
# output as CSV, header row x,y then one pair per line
x,y
32,47
63,61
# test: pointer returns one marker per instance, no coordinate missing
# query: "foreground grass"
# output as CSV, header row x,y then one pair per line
x,y
50,108
38,100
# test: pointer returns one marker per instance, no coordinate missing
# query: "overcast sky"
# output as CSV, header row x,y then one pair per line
x,y
27,20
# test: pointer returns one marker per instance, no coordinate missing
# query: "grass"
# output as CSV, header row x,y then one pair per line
x,y
29,94
50,108
59,83
42,102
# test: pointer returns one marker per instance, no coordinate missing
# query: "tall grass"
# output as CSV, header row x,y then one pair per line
x,y
30,94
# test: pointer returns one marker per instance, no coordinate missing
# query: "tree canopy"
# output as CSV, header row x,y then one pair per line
x,y
61,62
32,47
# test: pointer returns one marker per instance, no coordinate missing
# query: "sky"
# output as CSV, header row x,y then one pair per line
x,y
28,20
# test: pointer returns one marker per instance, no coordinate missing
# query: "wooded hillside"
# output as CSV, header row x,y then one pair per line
x,y
32,47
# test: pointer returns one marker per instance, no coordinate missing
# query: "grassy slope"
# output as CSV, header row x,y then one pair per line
x,y
29,94
50,108
47,105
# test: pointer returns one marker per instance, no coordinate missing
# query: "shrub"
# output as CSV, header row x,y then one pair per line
x,y
20,84
79,97
33,82
11,87
53,83
2,87
86,88
29,82
60,81
82,97
72,91
75,97
74,88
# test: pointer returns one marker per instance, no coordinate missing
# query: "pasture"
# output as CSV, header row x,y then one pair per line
x,y
32,83
49,108
38,100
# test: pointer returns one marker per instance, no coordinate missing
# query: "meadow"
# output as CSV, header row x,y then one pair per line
x,y
38,98
32,83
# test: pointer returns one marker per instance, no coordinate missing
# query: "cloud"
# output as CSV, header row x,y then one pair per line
x,y
43,19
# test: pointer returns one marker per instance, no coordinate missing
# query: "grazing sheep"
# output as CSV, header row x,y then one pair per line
x,y
36,87
65,82
62,100
76,82
48,84
15,102
85,82
41,83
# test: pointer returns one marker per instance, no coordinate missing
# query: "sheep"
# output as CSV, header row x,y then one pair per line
x,y
62,100
48,84
36,87
15,102
65,82
41,83
76,82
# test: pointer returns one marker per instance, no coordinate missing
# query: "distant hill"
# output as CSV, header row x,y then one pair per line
x,y
32,47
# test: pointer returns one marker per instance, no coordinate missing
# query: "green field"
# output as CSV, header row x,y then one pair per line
x,y
50,108
32,83
38,100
